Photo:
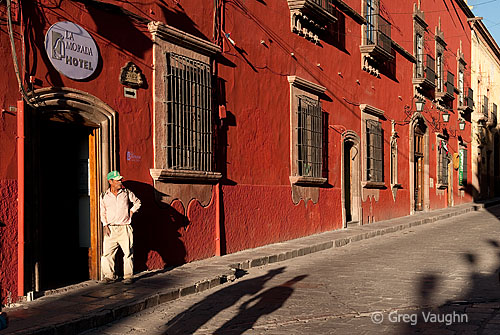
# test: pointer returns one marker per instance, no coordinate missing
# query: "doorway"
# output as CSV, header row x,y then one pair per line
x,y
348,181
419,170
450,184
351,184
67,208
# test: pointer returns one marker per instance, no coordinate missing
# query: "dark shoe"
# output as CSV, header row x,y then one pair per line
x,y
128,281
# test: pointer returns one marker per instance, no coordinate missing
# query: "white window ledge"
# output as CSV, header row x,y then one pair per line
x,y
441,186
185,175
373,184
301,180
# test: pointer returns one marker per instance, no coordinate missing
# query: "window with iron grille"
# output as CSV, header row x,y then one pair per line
x,y
371,16
439,72
461,88
485,105
309,132
419,40
442,173
189,114
374,146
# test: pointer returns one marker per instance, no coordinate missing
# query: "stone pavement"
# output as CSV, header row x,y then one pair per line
x,y
92,304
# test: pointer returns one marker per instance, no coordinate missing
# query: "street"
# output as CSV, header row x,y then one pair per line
x,y
438,278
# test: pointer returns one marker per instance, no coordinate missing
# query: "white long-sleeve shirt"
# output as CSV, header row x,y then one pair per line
x,y
115,210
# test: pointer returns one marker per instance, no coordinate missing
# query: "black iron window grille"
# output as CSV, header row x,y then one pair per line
x,y
189,114
427,70
443,161
461,89
309,141
485,105
371,16
450,83
470,98
419,40
325,4
439,72
375,153
493,114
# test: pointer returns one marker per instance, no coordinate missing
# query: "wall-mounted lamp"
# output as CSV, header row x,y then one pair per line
x,y
461,124
419,105
446,117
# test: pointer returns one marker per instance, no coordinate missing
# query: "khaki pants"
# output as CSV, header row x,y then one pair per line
x,y
120,236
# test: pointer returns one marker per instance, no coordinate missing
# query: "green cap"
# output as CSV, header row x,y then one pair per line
x,y
115,175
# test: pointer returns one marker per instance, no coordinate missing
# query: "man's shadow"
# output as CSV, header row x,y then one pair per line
x,y
267,302
157,241
200,313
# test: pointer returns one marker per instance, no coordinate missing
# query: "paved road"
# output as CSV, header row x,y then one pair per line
x,y
439,278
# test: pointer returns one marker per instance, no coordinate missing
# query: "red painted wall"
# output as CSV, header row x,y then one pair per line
x,y
254,143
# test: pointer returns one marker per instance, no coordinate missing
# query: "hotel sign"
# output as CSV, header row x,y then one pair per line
x,y
71,50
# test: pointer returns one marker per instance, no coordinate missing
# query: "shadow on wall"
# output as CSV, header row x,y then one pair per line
x,y
156,238
474,311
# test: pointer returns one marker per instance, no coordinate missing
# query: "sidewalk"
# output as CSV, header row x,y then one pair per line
x,y
77,308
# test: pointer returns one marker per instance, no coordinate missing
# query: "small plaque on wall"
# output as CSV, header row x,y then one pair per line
x,y
130,92
131,76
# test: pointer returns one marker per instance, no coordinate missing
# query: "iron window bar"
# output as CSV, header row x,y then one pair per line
x,y
325,4
378,32
189,114
374,158
426,71
450,83
309,137
443,165
485,106
470,98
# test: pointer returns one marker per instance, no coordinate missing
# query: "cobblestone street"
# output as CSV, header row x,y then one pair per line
x,y
439,278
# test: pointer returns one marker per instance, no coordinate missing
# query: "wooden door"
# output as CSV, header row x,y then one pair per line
x,y
95,231
419,171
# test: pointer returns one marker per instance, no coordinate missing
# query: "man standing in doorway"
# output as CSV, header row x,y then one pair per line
x,y
118,205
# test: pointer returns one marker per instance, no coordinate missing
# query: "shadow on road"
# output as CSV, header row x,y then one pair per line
x,y
265,303
250,311
476,311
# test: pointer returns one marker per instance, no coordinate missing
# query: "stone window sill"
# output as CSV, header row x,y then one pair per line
x,y
441,186
185,175
311,181
373,184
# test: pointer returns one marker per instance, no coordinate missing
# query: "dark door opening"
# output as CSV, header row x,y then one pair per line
x,y
65,211
419,171
348,180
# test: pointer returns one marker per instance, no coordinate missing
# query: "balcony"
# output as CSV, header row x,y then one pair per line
x,y
425,77
309,18
377,42
492,120
467,106
446,93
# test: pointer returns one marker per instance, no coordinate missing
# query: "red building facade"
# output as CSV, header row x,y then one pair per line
x,y
237,123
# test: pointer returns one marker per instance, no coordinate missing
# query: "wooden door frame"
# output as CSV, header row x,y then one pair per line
x,y
78,107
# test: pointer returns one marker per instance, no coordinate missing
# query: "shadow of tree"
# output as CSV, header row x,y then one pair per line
x,y
477,311
265,303
200,313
